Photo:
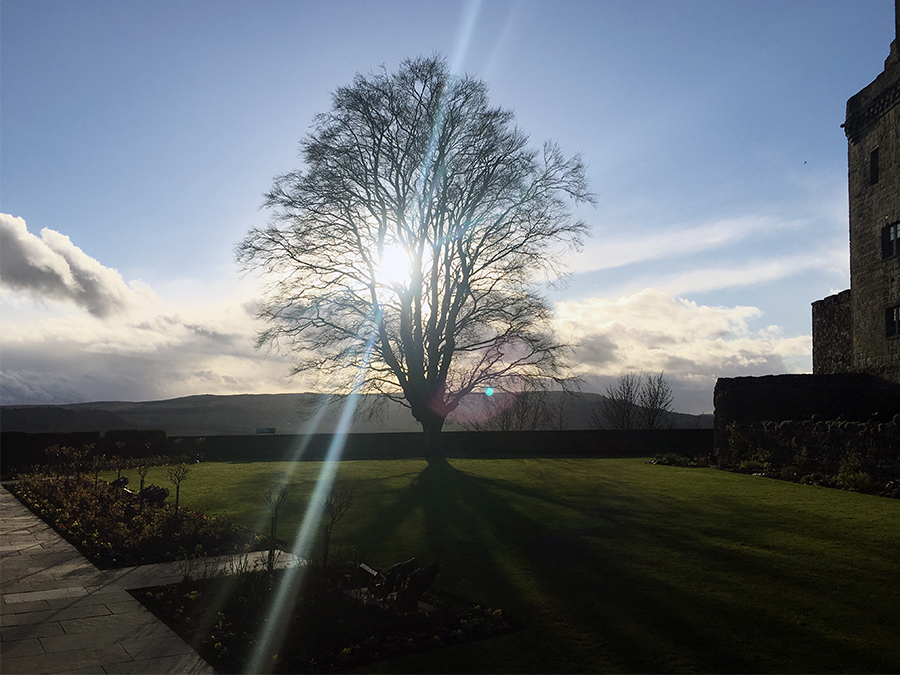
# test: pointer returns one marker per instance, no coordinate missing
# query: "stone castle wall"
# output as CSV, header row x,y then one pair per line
x,y
873,134
832,335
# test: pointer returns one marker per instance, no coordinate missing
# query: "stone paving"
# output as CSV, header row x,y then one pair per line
x,y
60,614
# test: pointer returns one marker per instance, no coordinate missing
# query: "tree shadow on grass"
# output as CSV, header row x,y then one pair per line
x,y
586,595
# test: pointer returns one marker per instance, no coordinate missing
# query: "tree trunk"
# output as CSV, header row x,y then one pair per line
x,y
271,563
326,544
433,446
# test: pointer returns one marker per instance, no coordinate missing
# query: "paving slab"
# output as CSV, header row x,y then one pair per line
x,y
110,659
60,614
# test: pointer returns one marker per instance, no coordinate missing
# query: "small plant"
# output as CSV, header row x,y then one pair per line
x,y
765,458
176,475
738,444
98,463
791,473
802,459
751,466
274,499
142,470
852,477
335,506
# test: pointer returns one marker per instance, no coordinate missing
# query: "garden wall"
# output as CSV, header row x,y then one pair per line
x,y
847,396
826,447
21,449
468,444
817,423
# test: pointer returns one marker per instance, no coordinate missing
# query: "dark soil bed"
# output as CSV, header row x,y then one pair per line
x,y
328,630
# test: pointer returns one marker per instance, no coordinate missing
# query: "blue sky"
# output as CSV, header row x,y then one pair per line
x,y
138,137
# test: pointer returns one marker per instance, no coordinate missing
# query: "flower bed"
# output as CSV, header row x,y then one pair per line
x,y
329,630
114,529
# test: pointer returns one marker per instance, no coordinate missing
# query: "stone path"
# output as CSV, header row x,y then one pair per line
x,y
60,614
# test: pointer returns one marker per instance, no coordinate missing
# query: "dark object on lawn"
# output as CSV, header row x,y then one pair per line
x,y
418,582
396,575
120,482
154,494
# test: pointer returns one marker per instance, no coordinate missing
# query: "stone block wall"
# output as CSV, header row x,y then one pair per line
x,y
873,134
823,446
832,335
745,401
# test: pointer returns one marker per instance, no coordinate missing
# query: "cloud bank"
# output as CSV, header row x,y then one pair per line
x,y
145,356
108,340
694,344
51,267
121,342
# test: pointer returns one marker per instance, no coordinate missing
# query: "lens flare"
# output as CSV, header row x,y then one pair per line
x,y
280,613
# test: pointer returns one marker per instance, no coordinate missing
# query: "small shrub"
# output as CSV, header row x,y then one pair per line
x,y
852,477
801,459
750,466
791,473
765,458
859,481
738,443
674,459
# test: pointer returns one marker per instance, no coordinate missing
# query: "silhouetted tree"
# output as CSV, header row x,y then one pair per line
x,y
98,463
635,402
655,401
176,475
274,499
411,245
143,468
620,409
335,506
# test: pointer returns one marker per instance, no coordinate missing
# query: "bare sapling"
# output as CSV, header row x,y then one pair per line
x,y
274,499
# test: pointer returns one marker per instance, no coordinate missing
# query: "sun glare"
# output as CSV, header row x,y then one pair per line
x,y
394,264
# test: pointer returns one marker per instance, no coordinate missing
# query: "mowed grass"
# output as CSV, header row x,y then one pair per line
x,y
614,564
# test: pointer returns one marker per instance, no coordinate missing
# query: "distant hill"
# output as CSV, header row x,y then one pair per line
x,y
209,415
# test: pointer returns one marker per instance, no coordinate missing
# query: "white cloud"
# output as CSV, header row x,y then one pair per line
x,y
765,270
53,268
694,344
127,344
630,246
204,348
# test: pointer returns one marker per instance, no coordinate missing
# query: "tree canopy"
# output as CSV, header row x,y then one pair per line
x,y
407,256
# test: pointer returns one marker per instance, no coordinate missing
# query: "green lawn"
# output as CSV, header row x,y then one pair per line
x,y
613,564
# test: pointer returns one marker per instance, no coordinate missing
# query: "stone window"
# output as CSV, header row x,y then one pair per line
x,y
873,167
890,241
892,321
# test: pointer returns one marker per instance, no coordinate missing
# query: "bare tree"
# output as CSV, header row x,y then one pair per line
x,y
143,468
274,499
176,475
335,506
534,406
412,244
655,401
634,401
620,409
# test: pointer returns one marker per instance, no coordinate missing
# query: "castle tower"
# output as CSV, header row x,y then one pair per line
x,y
859,330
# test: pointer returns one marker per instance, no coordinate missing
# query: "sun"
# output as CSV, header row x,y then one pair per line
x,y
394,266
